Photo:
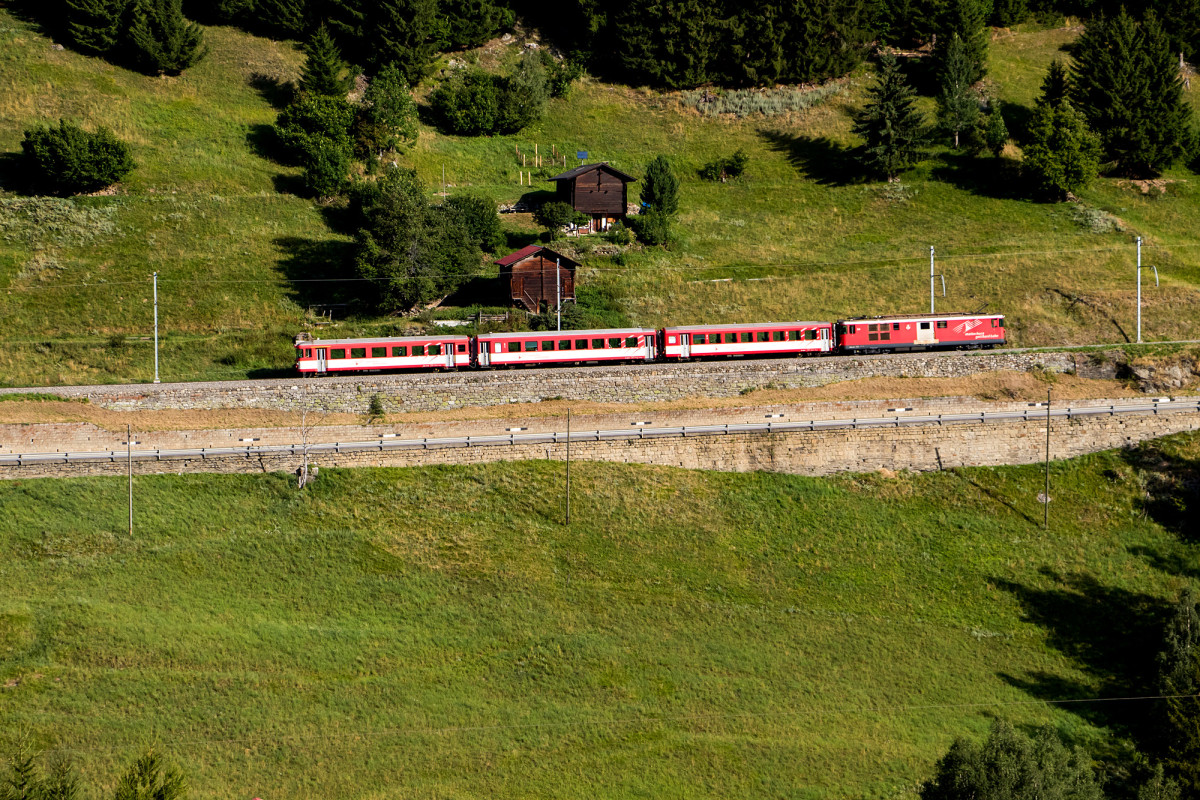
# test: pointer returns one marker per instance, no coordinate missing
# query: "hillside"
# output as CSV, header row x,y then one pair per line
x,y
241,258
759,634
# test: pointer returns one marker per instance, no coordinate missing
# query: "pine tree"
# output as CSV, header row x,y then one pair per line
x,y
150,778
966,19
400,32
1062,155
958,107
890,124
1181,21
95,25
161,40
282,18
1007,13
470,23
324,70
660,187
1126,82
1054,85
1179,674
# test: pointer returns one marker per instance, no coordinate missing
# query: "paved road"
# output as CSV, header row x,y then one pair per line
x,y
1034,411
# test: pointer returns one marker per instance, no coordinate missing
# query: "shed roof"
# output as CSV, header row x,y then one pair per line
x,y
533,250
572,174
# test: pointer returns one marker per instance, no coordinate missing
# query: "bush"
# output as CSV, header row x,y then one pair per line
x,y
313,119
619,234
560,74
477,215
326,168
722,169
653,227
556,215
522,96
69,160
467,103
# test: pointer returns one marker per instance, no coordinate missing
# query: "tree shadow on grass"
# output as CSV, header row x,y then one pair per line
x,y
479,291
12,174
276,92
818,158
515,240
1112,634
320,273
986,176
1172,489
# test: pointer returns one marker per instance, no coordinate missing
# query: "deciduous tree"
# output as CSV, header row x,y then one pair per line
x,y
1062,155
387,117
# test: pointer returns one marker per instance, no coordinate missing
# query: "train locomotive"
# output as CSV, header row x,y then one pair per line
x,y
884,334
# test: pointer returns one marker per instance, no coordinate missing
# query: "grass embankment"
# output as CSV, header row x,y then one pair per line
x,y
799,236
438,631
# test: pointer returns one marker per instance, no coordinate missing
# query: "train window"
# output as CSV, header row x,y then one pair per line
x,y
564,344
399,352
698,338
1002,322
631,341
763,336
730,338
850,328
358,352
418,349
895,326
941,323
872,328
793,336
872,337
514,347
615,342
993,323
924,326
581,344
531,347
435,350
308,353
378,352
597,344
746,337
462,348
886,336
548,344
777,336
339,353
810,334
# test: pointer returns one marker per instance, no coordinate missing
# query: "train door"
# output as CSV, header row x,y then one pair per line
x,y
448,349
685,345
321,363
925,332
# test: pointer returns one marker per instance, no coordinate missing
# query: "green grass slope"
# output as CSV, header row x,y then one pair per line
x,y
800,236
439,632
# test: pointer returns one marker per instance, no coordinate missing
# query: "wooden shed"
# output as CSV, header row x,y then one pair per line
x,y
598,190
531,275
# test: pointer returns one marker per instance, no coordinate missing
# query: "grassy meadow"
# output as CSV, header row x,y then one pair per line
x,y
440,633
241,257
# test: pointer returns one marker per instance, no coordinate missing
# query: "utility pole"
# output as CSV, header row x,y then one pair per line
x,y
156,327
129,455
931,309
568,466
1139,287
1046,491
558,293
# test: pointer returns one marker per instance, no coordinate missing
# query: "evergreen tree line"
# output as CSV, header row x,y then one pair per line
x,y
150,777
151,36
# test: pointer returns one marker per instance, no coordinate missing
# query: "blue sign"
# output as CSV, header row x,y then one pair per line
x,y
581,155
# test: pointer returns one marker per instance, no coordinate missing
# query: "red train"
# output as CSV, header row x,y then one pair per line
x,y
887,334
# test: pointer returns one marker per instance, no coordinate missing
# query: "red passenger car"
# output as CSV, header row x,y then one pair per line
x,y
565,347
920,332
753,339
318,356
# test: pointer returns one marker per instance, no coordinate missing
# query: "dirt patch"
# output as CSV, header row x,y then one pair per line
x,y
991,386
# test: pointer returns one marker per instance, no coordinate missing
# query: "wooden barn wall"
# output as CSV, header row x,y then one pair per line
x,y
600,192
533,280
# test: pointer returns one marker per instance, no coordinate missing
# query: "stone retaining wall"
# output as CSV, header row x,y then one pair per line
x,y
916,447
633,383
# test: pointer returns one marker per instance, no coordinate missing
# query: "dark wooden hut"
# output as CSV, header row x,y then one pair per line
x,y
598,190
530,273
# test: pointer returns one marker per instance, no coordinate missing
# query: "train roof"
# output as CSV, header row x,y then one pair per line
x,y
437,337
947,315
734,326
555,334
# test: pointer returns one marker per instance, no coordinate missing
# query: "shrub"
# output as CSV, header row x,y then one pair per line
x,y
653,227
69,160
619,234
326,168
312,118
560,74
477,215
722,169
467,103
521,97
556,215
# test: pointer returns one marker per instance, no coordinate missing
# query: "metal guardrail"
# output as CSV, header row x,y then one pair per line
x,y
1034,412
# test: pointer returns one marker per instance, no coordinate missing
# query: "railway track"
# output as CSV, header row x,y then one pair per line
x,y
1034,411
